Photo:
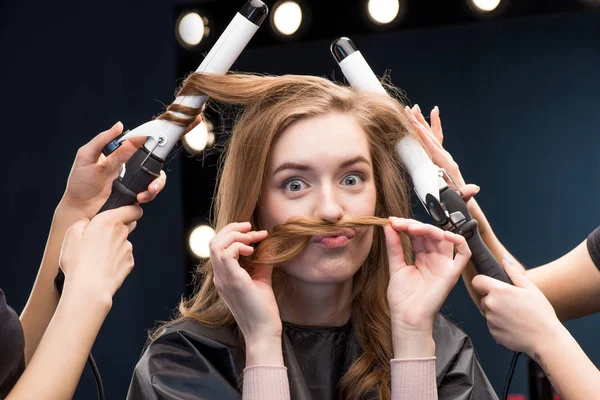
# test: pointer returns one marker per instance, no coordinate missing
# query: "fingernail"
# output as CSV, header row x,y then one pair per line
x,y
155,186
508,259
477,190
115,125
407,108
436,109
144,196
418,108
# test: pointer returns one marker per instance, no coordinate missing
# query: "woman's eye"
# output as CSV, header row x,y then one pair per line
x,y
352,180
295,185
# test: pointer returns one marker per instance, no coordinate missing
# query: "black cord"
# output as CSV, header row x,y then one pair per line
x,y
511,371
99,385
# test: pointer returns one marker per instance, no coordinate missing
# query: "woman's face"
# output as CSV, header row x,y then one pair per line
x,y
321,167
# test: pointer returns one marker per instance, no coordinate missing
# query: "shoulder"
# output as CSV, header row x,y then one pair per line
x,y
447,331
189,356
189,360
458,371
451,343
12,347
188,338
593,244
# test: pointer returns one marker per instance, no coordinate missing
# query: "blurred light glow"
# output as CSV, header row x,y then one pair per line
x,y
287,17
485,5
197,138
383,11
200,239
192,29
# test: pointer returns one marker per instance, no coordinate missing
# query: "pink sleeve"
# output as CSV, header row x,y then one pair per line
x,y
265,383
414,379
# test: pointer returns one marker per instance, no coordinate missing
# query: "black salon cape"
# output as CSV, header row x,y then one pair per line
x,y
190,361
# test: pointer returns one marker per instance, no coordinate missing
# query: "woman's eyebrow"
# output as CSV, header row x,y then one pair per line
x,y
354,160
303,167
294,166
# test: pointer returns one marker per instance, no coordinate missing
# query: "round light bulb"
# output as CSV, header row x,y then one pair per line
x,y
200,239
485,5
287,17
191,29
383,11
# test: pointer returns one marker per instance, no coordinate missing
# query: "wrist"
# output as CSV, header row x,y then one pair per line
x,y
78,291
554,337
412,342
413,345
67,213
264,351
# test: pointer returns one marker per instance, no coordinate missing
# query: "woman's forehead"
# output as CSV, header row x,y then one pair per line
x,y
331,136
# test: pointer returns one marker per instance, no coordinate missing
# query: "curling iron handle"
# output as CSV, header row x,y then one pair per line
x,y
482,258
141,169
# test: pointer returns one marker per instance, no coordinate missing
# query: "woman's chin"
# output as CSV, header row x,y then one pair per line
x,y
323,271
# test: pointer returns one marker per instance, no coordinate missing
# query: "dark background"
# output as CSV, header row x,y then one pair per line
x,y
518,102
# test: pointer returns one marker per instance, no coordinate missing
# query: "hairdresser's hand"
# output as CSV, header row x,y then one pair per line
x,y
432,138
92,174
519,317
250,299
416,292
96,255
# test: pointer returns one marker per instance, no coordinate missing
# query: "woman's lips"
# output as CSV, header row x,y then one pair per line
x,y
335,240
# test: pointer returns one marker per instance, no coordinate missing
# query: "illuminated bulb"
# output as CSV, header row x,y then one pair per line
x,y
287,17
485,5
197,139
192,28
383,11
200,239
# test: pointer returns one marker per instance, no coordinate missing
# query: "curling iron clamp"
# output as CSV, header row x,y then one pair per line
x,y
162,135
441,202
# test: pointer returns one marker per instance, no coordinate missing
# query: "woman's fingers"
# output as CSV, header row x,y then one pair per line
x,y
463,253
230,238
429,238
231,242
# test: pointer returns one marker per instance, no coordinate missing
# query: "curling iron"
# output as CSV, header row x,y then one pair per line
x,y
162,135
441,202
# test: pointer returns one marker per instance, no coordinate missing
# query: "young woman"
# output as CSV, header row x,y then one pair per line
x,y
523,317
303,296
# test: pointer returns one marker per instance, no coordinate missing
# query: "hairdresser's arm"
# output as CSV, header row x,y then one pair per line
x,y
571,283
415,296
96,258
88,187
432,137
521,319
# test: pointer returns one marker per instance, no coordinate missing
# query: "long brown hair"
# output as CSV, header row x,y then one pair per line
x,y
269,105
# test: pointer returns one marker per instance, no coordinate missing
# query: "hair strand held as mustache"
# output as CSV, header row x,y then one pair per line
x,y
288,240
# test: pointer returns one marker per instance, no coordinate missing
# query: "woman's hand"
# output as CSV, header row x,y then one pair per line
x,y
90,180
416,292
519,317
250,298
96,255
432,138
